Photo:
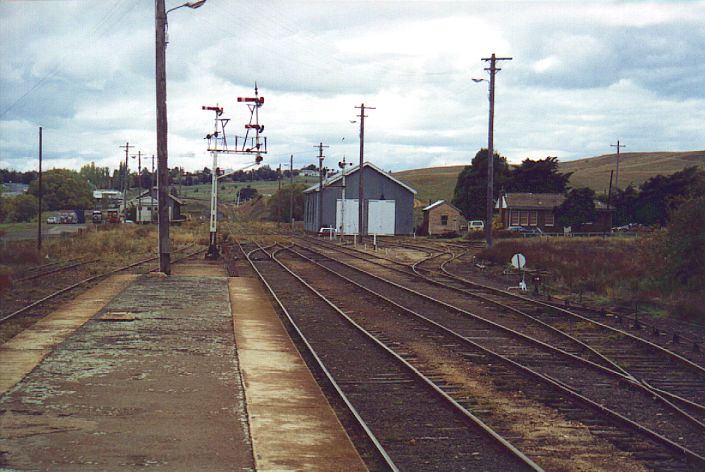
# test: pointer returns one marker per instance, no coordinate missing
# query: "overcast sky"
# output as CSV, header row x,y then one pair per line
x,y
583,75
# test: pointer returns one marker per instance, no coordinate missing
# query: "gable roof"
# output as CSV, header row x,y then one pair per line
x,y
532,200
331,180
440,203
148,193
537,201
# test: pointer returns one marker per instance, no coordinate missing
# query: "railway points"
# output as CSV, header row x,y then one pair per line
x,y
304,354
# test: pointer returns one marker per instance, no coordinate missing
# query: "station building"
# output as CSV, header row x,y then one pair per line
x,y
389,203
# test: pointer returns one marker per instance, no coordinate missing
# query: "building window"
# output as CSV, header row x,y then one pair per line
x,y
533,218
514,218
444,220
549,219
524,218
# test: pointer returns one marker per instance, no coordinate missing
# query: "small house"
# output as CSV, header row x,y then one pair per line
x,y
537,210
441,218
147,207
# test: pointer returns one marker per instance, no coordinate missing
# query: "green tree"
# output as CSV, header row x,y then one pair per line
x,y
279,203
577,208
625,203
63,189
540,176
661,195
99,177
684,247
470,194
21,208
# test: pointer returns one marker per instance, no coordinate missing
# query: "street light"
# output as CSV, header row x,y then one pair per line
x,y
162,151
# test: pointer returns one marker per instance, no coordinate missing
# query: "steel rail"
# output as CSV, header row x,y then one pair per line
x,y
564,311
658,392
459,408
360,421
57,269
687,453
78,284
415,268
586,362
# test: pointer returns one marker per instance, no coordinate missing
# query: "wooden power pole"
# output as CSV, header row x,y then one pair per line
x,y
493,69
361,214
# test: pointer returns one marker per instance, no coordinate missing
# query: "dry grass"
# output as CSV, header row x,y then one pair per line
x,y
437,183
115,243
612,268
634,167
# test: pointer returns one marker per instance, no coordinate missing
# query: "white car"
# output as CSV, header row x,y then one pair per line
x,y
327,231
52,220
476,225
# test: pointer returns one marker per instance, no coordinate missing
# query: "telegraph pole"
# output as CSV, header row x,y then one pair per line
x,y
162,150
493,69
39,226
127,176
362,227
320,183
139,186
616,177
291,192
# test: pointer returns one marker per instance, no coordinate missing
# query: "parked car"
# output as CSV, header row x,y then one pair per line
x,y
532,231
327,231
476,225
52,220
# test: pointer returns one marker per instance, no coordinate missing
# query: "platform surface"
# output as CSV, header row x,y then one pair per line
x,y
292,425
151,380
148,372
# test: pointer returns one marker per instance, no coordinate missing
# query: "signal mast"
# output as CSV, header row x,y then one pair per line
x,y
218,144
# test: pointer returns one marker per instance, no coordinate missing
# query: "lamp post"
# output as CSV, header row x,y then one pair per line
x,y
162,152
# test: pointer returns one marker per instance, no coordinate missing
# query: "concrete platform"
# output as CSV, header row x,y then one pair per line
x,y
147,374
293,427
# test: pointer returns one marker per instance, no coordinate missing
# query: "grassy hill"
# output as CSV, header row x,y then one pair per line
x,y
437,183
634,167
433,183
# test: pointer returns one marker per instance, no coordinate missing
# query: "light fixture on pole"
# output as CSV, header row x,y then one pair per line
x,y
160,25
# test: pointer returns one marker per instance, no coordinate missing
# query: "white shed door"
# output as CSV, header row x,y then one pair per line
x,y
349,226
381,217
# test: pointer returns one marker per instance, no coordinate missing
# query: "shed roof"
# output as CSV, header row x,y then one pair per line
x,y
331,180
439,203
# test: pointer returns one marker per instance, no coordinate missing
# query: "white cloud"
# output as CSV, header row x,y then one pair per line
x,y
582,76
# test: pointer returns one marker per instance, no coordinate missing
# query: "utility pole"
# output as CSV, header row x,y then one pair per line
x,y
362,227
616,177
279,194
39,220
342,164
291,191
139,186
127,176
493,69
320,183
162,150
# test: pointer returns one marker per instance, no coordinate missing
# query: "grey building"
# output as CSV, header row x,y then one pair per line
x,y
388,203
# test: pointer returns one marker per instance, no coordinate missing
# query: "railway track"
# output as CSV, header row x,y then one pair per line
x,y
650,363
625,397
417,425
27,310
667,373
